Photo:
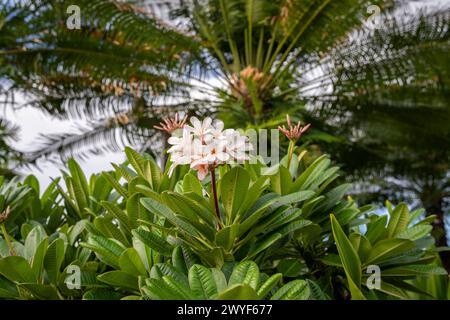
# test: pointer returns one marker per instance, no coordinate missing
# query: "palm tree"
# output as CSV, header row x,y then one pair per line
x,y
125,67
390,99
249,61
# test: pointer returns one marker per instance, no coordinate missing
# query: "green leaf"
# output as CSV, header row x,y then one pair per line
x,y
8,289
53,260
164,211
233,188
136,211
393,290
178,260
79,185
17,269
102,294
264,243
33,240
119,214
120,279
398,220
349,258
376,229
110,230
253,194
181,291
388,248
246,272
294,290
310,174
160,270
37,263
269,284
107,250
291,267
157,289
153,241
188,211
239,292
361,245
219,279
115,184
414,233
281,182
226,236
316,291
332,259
41,291
136,160
192,184
125,172
273,202
152,173
202,282
414,270
131,263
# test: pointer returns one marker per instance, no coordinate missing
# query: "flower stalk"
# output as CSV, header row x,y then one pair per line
x,y
291,149
293,133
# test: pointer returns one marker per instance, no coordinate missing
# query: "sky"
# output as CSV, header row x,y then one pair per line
x,y
33,122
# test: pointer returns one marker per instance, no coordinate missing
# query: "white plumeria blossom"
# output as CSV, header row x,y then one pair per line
x,y
205,145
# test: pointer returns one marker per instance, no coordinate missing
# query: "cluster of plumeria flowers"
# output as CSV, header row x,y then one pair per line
x,y
205,145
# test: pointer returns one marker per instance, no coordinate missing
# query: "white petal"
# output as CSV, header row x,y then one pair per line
x,y
189,129
228,132
207,123
218,124
222,156
174,140
174,149
196,123
210,158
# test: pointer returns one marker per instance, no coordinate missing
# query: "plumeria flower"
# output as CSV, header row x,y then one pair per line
x,y
206,145
181,150
200,128
238,146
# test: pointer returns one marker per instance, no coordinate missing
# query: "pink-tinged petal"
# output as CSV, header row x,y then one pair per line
x,y
202,173
198,163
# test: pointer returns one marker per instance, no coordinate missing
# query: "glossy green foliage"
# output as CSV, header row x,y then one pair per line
x,y
138,233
